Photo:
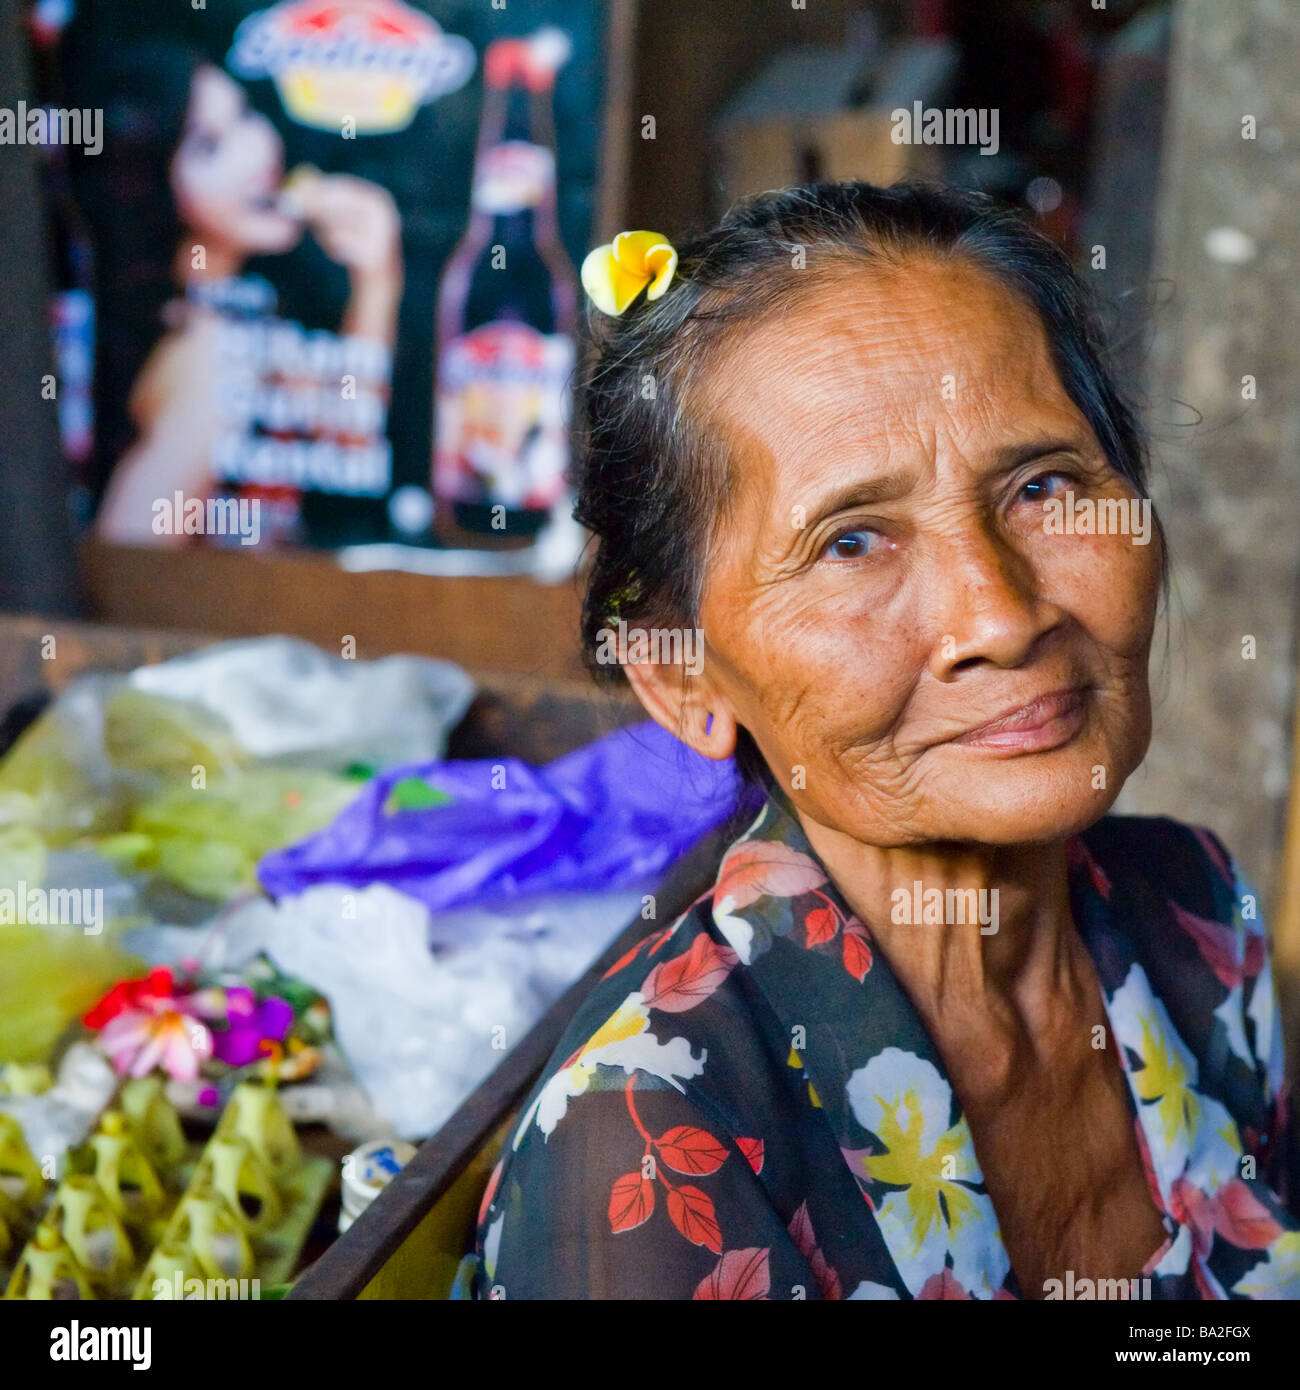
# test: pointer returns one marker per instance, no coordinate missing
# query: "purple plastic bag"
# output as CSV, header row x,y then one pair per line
x,y
610,816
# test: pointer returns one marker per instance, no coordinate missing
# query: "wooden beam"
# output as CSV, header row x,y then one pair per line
x,y
501,624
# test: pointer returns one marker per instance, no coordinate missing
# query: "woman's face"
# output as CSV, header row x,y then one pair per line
x,y
885,608
227,170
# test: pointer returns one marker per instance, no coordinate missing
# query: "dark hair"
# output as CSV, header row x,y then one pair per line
x,y
650,478
125,195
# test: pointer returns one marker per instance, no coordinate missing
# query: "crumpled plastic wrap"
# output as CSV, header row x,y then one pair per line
x,y
286,701
62,1117
208,841
420,1028
49,976
610,815
272,724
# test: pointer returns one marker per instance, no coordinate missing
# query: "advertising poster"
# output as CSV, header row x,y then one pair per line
x,y
302,214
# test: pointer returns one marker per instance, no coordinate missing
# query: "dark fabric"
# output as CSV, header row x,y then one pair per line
x,y
748,1105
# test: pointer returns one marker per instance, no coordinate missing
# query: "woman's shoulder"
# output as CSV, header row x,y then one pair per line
x,y
1191,921
1186,865
660,1016
1179,895
638,1166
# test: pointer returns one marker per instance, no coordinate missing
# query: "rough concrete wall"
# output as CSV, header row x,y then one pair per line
x,y
1227,467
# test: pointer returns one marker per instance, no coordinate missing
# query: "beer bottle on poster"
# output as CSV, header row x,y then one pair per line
x,y
506,320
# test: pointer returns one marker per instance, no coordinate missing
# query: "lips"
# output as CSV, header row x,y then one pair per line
x,y
1042,723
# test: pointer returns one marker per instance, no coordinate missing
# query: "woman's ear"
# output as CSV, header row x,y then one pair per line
x,y
684,704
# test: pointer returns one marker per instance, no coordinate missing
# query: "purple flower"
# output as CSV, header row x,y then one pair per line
x,y
249,1026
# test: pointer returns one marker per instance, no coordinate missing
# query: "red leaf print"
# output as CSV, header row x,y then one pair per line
x,y
740,1274
857,951
1255,954
1243,1219
689,1149
692,1213
631,1202
943,1286
629,956
753,1151
490,1190
827,1280
820,925
1078,854
680,984
1195,1210
625,959
761,867
1217,943
801,1232
1214,853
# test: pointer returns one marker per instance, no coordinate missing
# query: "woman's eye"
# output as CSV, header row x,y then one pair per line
x,y
853,545
1046,486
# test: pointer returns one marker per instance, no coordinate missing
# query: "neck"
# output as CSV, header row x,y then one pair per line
x,y
1018,944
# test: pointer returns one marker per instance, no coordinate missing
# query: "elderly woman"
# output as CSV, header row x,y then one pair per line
x,y
942,1028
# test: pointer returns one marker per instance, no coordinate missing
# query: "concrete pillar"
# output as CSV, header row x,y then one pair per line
x,y
1223,399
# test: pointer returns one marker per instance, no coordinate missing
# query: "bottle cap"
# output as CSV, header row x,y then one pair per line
x,y
369,1169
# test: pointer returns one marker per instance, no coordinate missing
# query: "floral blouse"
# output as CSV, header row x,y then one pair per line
x,y
748,1106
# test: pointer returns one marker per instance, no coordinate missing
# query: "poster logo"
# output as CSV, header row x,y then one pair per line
x,y
374,62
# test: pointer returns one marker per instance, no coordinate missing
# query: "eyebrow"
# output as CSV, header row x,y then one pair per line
x,y
866,492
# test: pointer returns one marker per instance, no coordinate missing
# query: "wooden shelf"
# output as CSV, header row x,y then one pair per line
x,y
507,623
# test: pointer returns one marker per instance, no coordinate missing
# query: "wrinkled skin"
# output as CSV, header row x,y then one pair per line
x,y
881,586
836,660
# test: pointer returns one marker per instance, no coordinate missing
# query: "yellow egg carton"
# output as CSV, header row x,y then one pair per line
x,y
116,1193
117,1229
248,1209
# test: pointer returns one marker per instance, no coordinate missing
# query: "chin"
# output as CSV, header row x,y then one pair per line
x,y
1020,803
1040,824
1041,797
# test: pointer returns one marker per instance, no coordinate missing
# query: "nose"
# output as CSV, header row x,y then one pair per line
x,y
989,607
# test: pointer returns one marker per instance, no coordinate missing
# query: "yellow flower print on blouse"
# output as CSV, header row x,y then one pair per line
x,y
906,1163
623,1040
1164,1075
929,1205
1278,1274
1167,1079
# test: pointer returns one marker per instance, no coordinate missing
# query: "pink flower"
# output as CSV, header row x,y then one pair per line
x,y
147,1023
156,1035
